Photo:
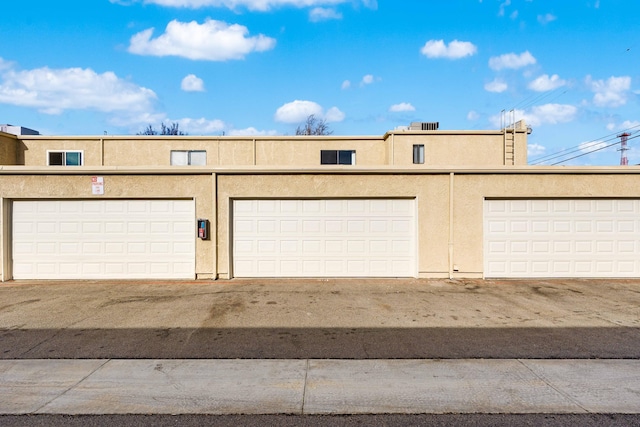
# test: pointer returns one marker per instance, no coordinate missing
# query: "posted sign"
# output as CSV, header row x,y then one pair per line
x,y
97,185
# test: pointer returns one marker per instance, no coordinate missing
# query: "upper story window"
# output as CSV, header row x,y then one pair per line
x,y
337,157
418,154
64,158
188,158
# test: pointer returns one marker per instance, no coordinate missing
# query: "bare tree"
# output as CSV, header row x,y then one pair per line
x,y
314,126
173,129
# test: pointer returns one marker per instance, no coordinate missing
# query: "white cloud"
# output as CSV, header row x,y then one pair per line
x,y
251,131
345,85
403,106
334,115
297,111
544,83
473,115
192,83
535,150
136,120
628,124
503,6
5,65
368,79
511,60
454,50
323,14
256,5
200,126
212,41
53,91
371,4
496,86
551,114
587,147
545,19
542,114
610,93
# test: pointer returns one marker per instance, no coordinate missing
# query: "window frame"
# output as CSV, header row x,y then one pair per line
x,y
189,159
339,154
64,157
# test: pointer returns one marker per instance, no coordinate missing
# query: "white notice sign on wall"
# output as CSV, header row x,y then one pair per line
x,y
97,185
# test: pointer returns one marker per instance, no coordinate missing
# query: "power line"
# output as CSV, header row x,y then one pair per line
x,y
580,147
590,152
568,151
528,102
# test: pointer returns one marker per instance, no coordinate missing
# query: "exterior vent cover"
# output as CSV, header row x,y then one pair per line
x,y
424,126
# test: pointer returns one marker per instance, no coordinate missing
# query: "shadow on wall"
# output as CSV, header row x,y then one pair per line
x,y
11,151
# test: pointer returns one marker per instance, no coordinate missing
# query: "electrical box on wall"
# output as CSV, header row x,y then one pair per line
x,y
203,229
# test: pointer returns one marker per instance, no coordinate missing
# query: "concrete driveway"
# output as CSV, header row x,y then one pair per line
x,y
320,319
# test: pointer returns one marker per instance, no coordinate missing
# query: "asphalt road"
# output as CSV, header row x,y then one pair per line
x,y
433,420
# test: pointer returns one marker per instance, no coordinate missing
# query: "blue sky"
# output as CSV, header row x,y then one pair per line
x,y
570,68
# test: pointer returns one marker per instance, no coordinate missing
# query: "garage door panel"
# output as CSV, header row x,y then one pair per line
x,y
103,239
324,238
562,238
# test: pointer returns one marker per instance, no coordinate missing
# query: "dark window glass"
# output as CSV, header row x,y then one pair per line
x,y
345,157
73,159
56,159
328,157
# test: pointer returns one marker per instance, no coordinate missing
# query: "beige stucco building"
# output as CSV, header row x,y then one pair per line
x,y
410,203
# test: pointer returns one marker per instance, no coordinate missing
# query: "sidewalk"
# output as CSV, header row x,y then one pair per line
x,y
318,386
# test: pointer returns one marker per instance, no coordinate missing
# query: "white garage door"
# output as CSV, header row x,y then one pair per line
x,y
562,238
324,238
104,239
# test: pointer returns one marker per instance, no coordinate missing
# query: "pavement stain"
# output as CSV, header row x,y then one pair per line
x,y
222,307
139,298
19,304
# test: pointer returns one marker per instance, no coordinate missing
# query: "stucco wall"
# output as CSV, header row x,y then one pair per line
x,y
34,151
431,193
306,151
484,148
198,187
430,188
471,190
451,148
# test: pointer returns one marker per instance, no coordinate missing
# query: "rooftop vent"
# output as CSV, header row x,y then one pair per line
x,y
18,130
424,126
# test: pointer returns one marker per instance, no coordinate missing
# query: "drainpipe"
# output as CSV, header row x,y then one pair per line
x,y
3,244
101,151
393,149
451,225
254,151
